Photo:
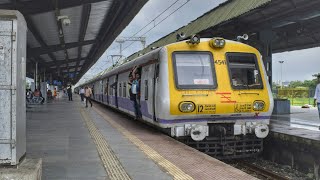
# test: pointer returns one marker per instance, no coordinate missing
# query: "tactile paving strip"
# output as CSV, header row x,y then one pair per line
x,y
172,169
110,161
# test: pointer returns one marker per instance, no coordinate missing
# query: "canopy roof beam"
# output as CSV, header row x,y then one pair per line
x,y
33,52
42,6
36,34
86,9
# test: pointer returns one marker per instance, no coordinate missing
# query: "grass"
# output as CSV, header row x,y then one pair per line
x,y
300,101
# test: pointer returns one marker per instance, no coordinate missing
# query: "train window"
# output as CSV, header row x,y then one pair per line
x,y
106,89
244,71
146,93
110,91
120,90
194,70
157,70
124,89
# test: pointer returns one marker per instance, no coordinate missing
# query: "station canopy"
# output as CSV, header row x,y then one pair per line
x,y
66,37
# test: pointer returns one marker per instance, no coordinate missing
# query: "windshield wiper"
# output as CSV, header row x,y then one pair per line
x,y
240,93
247,86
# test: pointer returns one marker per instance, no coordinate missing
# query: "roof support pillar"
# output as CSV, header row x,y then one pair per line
x,y
36,78
265,38
51,79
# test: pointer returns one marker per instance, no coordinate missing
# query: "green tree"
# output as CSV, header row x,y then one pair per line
x,y
311,84
294,84
316,75
274,86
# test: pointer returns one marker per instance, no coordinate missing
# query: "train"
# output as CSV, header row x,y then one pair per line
x,y
210,93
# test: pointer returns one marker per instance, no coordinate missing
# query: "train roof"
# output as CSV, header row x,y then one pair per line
x,y
152,55
128,63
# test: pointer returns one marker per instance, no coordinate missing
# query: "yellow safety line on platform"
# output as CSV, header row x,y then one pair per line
x,y
110,161
172,169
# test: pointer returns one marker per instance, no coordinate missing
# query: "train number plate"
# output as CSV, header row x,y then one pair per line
x,y
206,108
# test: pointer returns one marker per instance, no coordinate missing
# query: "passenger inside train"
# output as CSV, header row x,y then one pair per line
x,y
244,71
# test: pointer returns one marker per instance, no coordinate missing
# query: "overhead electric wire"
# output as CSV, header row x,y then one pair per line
x,y
151,20
159,22
155,18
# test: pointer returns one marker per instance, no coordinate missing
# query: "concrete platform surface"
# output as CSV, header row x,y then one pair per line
x,y
57,133
28,169
301,122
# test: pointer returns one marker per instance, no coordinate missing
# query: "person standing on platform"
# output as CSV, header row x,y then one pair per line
x,y
88,93
54,93
81,94
317,95
69,91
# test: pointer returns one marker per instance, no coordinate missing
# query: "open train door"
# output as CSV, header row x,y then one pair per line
x,y
155,89
102,89
116,90
148,90
107,90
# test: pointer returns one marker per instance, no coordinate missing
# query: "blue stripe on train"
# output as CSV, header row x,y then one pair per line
x,y
127,104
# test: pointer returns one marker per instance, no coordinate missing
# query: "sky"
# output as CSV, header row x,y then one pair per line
x,y
297,65
188,11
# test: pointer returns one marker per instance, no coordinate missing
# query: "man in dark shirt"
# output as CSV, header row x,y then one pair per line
x,y
69,91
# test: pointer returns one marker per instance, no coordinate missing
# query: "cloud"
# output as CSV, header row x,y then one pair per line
x,y
298,65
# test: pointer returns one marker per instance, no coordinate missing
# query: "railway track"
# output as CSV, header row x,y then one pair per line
x,y
259,171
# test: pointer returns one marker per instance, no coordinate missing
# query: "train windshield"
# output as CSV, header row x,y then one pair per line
x,y
194,70
244,71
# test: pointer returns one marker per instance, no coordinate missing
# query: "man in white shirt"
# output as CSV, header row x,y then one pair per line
x,y
317,95
82,93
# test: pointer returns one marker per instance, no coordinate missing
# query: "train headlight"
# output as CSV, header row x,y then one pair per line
x,y
217,42
195,39
258,105
187,106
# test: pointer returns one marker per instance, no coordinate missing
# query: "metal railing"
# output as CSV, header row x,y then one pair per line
x,y
297,96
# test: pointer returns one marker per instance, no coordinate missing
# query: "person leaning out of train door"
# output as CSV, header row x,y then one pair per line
x,y
135,90
317,95
88,93
132,96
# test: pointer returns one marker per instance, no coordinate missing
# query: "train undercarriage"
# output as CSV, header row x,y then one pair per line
x,y
228,147
221,142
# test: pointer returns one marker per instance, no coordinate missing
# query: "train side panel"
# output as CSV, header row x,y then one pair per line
x,y
162,91
124,102
112,91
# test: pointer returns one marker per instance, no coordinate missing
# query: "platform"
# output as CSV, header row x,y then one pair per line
x,y
301,122
75,142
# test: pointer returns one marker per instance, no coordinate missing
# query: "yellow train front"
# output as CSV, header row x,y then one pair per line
x,y
214,95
